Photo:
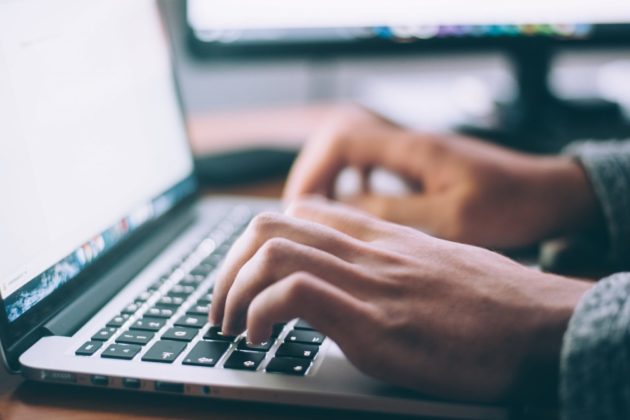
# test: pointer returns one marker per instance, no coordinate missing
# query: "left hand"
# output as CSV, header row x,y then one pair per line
x,y
447,319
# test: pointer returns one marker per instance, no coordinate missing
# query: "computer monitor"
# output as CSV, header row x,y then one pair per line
x,y
529,31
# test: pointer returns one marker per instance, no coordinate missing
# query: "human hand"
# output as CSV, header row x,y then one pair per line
x,y
444,318
466,190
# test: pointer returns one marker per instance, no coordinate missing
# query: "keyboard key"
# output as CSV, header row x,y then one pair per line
x,y
264,346
144,296
180,334
164,351
288,366
181,291
121,351
206,353
305,337
198,310
148,324
202,270
160,312
214,333
118,321
195,321
104,334
205,299
244,360
131,309
192,280
135,337
88,348
277,329
169,302
303,325
303,351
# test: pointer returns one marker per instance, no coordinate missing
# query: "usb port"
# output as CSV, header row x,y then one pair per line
x,y
169,387
131,383
100,380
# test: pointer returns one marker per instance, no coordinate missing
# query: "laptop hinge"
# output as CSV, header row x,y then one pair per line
x,y
70,319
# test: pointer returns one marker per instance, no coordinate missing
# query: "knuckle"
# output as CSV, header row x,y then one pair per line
x,y
299,284
275,250
264,223
300,207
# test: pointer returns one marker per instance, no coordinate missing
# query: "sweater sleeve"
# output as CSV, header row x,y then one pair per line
x,y
595,360
607,165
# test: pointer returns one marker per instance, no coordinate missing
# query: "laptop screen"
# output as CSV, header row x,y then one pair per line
x,y
92,143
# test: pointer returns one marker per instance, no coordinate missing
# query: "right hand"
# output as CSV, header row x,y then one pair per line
x,y
467,190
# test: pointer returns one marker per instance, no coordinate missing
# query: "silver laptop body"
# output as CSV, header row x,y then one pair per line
x,y
110,256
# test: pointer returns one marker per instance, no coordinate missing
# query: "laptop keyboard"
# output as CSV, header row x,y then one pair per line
x,y
168,322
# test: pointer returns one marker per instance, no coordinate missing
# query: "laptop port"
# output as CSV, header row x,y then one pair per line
x,y
169,387
131,383
100,380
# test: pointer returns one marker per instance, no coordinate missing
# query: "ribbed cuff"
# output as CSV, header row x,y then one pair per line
x,y
607,165
595,360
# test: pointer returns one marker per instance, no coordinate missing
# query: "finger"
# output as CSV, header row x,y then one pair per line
x,y
327,308
270,225
355,223
277,259
323,157
417,210
316,168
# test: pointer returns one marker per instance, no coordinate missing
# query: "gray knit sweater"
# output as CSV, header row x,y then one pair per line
x,y
595,361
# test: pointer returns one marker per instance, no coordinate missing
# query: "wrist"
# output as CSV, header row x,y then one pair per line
x,y
563,185
557,299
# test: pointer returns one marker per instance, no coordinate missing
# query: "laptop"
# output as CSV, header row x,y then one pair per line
x,y
108,252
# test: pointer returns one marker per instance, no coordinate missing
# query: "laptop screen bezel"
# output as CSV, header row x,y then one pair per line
x,y
17,336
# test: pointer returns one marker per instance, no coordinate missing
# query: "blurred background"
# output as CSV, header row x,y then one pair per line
x,y
257,80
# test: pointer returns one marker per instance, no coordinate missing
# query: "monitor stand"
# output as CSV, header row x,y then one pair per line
x,y
538,121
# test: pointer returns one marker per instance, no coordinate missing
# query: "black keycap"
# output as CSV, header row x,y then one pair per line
x,y
206,353
159,312
202,270
88,348
244,360
130,309
303,325
180,334
192,280
195,321
135,337
305,337
118,321
214,333
164,351
104,334
205,299
169,302
277,329
148,324
181,291
198,310
144,296
121,351
303,351
264,346
288,366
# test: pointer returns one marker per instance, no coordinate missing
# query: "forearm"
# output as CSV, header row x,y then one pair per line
x,y
595,361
